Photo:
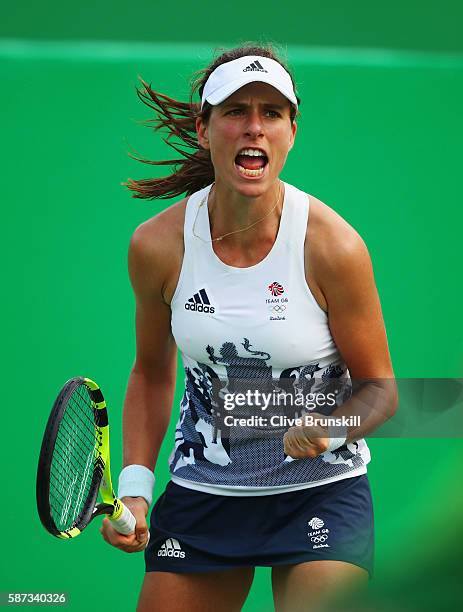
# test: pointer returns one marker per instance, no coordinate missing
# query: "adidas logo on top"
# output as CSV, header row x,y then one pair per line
x,y
199,302
171,548
255,67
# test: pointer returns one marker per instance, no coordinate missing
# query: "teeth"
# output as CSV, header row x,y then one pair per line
x,y
247,172
253,152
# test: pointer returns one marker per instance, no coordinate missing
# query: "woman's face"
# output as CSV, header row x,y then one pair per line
x,y
249,136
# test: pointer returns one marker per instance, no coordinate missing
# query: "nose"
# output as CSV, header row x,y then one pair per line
x,y
254,124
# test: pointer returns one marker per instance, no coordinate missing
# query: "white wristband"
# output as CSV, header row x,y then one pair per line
x,y
136,481
334,440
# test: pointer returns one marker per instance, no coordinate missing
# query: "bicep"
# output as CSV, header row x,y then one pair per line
x,y
155,345
354,313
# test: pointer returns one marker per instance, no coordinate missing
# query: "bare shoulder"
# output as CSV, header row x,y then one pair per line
x,y
335,247
156,251
167,224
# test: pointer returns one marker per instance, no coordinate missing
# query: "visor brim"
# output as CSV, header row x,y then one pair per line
x,y
221,94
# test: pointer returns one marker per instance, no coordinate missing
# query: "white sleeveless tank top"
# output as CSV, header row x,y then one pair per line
x,y
260,324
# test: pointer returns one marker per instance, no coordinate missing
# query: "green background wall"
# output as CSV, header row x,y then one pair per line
x,y
428,25
379,140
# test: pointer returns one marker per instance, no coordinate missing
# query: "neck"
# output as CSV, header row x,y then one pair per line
x,y
231,211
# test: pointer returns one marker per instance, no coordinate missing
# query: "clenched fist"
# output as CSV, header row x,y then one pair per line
x,y
306,441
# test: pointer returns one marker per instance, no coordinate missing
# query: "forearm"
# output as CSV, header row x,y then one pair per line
x,y
146,416
372,403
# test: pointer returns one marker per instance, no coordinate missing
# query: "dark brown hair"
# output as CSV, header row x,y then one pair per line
x,y
194,170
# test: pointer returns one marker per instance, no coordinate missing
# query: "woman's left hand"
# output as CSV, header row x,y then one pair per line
x,y
306,441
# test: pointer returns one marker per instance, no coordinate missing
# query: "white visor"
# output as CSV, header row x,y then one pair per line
x,y
229,77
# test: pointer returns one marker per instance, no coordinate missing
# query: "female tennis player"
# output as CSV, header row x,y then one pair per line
x,y
262,287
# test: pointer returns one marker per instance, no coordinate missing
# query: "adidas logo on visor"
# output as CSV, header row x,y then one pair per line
x,y
255,67
171,548
200,303
230,76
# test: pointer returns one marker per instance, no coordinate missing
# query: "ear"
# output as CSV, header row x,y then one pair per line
x,y
202,133
293,135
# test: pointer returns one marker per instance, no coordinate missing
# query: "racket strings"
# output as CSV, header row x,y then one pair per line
x,y
65,439
56,490
69,488
62,453
68,451
75,455
85,442
78,409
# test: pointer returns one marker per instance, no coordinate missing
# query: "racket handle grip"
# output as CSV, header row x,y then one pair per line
x,y
126,522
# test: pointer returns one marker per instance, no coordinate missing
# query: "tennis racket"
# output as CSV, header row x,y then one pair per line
x,y
74,464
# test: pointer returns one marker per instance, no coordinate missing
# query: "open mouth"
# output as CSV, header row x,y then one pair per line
x,y
251,162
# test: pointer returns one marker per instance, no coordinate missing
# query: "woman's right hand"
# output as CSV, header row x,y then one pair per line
x,y
137,541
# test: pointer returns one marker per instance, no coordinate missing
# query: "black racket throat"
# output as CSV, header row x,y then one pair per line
x,y
100,509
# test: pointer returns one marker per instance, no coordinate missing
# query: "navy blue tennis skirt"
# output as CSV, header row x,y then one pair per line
x,y
193,531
